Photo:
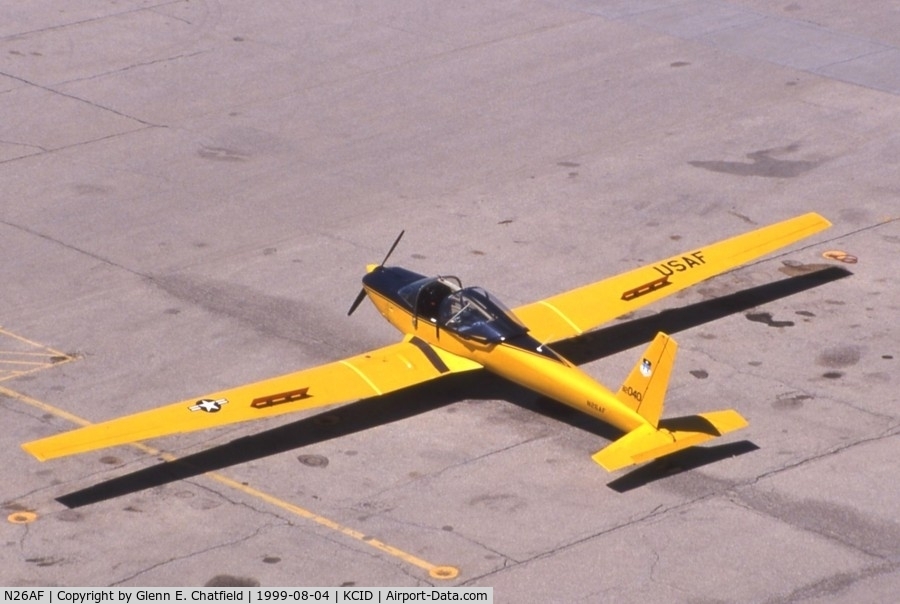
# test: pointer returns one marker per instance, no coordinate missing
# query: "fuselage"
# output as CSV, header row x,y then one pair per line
x,y
470,323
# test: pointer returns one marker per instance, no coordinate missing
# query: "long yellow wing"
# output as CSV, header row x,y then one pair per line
x,y
576,311
387,369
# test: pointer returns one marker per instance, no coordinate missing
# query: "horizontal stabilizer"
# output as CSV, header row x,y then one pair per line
x,y
646,443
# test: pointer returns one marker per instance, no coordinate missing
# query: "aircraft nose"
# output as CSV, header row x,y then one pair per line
x,y
371,267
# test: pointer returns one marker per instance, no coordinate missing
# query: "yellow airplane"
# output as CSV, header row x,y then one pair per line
x,y
449,328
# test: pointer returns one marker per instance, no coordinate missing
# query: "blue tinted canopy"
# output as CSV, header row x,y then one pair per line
x,y
474,313
470,312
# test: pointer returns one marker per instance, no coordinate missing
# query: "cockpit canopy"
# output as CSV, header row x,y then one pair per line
x,y
470,312
473,313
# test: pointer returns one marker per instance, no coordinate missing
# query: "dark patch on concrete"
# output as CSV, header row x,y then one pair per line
x,y
231,581
499,503
839,356
110,460
69,516
271,560
313,461
830,520
743,217
281,317
89,189
679,64
805,313
221,154
790,401
700,374
568,164
793,268
763,163
476,252
507,221
447,528
837,583
887,356
766,319
205,504
172,311
833,375
855,215
44,561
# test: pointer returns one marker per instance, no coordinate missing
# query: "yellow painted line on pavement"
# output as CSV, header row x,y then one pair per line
x,y
434,571
43,406
15,362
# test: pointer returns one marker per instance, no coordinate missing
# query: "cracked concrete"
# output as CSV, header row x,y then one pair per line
x,y
190,191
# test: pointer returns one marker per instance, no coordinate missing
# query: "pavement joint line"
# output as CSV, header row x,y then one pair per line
x,y
434,571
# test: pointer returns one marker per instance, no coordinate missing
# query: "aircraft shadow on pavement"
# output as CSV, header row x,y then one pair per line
x,y
369,413
678,462
619,337
333,423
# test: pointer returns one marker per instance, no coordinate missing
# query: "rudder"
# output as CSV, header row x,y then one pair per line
x,y
645,388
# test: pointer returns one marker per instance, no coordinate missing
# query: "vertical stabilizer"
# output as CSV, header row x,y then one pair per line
x,y
645,389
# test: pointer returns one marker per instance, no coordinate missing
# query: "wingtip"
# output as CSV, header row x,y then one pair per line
x,y
819,220
32,449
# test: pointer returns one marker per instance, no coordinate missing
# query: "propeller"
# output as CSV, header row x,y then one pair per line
x,y
362,293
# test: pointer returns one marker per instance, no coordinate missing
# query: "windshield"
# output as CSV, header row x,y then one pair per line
x,y
473,313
